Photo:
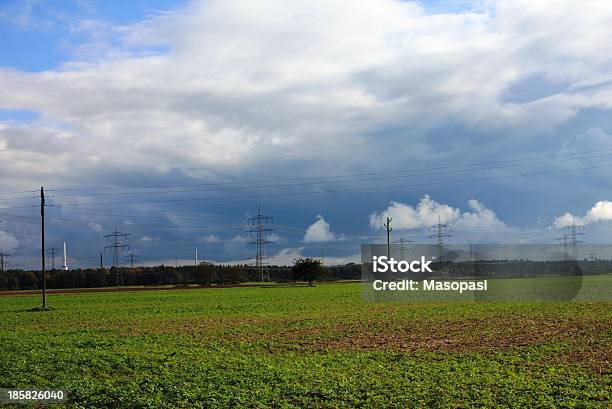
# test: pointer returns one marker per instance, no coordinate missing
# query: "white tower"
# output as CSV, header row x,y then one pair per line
x,y
65,266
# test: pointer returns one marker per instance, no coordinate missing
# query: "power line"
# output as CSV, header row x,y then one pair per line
x,y
375,188
18,207
19,192
79,212
287,229
359,180
87,222
166,214
362,189
4,199
328,176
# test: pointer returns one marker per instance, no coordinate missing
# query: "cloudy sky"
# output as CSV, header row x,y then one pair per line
x,y
174,120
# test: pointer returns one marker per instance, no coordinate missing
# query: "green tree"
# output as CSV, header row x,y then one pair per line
x,y
307,269
234,275
205,273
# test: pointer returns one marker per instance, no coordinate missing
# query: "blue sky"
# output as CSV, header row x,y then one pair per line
x,y
40,35
435,109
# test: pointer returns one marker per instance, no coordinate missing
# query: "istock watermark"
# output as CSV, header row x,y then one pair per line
x,y
486,272
383,264
430,285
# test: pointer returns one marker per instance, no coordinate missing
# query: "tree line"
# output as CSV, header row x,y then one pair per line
x,y
204,274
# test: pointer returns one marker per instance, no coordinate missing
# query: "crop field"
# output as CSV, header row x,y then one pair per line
x,y
306,347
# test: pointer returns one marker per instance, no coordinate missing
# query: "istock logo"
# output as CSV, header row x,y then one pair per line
x,y
383,264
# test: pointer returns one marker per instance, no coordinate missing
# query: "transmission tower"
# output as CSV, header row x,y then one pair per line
x,y
133,257
562,241
572,236
3,255
51,253
403,247
260,232
116,247
575,233
439,235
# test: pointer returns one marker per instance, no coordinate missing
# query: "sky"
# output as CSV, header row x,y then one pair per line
x,y
174,121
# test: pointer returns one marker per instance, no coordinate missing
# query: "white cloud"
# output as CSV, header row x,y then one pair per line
x,y
480,218
429,212
319,231
97,227
211,238
479,224
8,241
241,84
237,245
566,219
148,239
601,211
216,89
239,239
286,257
275,238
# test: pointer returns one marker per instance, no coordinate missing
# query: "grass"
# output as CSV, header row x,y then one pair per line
x,y
315,347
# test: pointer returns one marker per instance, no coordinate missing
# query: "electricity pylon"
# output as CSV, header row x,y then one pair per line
x,y
439,234
117,247
259,230
3,255
51,253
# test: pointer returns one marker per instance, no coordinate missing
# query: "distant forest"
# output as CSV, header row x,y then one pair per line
x,y
205,274
208,274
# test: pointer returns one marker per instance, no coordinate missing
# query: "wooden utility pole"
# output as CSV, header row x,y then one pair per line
x,y
389,230
42,247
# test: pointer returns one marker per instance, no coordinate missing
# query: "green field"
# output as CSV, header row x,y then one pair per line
x,y
300,346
